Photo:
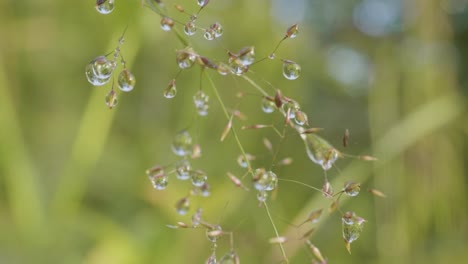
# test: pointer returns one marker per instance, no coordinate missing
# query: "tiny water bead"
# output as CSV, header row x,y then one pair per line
x,y
92,78
203,3
209,34
205,190
247,55
157,177
211,259
243,160
198,178
223,69
272,56
291,70
126,80
320,151
167,24
268,106
238,69
292,107
214,233
352,227
171,90
352,188
111,99
103,67
217,29
327,190
262,196
190,29
182,144
182,168
159,181
185,58
183,206
196,218
265,180
201,101
105,6
292,31
230,258
300,118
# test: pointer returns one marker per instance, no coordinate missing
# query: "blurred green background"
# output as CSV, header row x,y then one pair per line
x,y
72,172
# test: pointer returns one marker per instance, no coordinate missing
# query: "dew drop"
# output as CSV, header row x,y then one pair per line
x,y
111,99
222,69
171,90
167,23
291,70
196,218
352,226
247,55
320,151
292,31
203,3
243,160
300,118
182,168
272,56
205,190
190,29
268,106
185,58
198,178
211,259
105,6
92,78
183,206
292,107
214,233
201,100
182,144
209,34
126,81
230,258
262,196
265,180
217,29
238,69
352,188
159,181
327,190
103,67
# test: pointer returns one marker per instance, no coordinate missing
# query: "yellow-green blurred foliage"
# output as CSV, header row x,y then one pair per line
x,y
72,172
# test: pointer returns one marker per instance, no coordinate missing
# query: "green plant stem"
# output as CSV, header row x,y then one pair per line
x,y
276,232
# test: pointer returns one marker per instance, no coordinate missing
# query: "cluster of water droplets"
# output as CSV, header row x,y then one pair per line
x,y
264,181
182,145
105,6
214,31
